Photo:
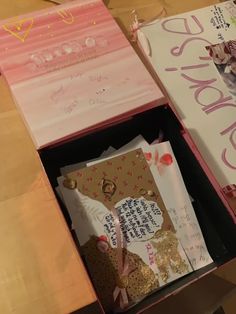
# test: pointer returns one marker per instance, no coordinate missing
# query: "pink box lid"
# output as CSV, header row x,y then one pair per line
x,y
71,69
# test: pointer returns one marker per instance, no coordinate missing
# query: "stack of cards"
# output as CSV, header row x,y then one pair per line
x,y
134,220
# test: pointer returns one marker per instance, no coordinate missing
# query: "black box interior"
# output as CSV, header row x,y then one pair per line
x,y
216,223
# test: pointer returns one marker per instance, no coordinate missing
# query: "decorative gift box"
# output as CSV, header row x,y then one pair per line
x,y
79,84
208,207
133,207
126,234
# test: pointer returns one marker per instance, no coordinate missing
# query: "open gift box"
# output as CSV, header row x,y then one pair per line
x,y
80,139
213,218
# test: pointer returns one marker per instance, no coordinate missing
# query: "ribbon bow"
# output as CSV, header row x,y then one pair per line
x,y
122,284
160,162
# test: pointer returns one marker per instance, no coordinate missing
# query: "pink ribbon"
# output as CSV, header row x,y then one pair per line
x,y
123,264
124,301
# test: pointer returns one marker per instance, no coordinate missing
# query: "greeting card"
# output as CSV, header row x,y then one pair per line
x,y
71,69
168,178
126,235
176,48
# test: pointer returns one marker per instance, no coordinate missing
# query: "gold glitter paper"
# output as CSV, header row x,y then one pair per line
x,y
103,269
142,281
168,256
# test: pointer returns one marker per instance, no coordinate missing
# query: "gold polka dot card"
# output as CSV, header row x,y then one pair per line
x,y
124,229
167,175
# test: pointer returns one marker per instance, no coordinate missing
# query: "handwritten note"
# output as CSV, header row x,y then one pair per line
x,y
57,94
69,108
186,224
139,220
176,199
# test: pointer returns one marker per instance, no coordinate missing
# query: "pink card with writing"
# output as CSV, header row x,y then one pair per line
x,y
71,69
196,89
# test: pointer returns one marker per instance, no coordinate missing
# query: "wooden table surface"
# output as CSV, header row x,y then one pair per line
x,y
40,269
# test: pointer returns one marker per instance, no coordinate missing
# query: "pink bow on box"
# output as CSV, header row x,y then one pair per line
x,y
160,162
230,190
